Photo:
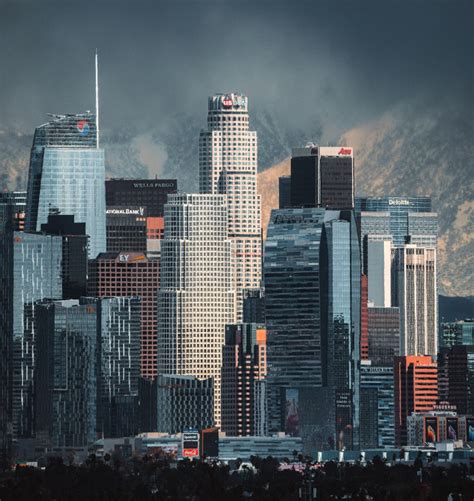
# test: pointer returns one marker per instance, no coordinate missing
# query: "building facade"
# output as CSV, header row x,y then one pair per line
x,y
33,273
383,335
17,200
66,373
148,193
184,402
131,274
416,390
67,175
228,165
322,177
126,229
295,345
75,244
377,406
455,333
340,320
244,366
197,295
416,295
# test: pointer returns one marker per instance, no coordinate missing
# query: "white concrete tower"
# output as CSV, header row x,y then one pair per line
x,y
228,165
196,296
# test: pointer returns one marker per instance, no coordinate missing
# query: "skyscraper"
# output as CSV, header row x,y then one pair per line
x,y
228,165
131,274
397,212
17,200
126,229
33,272
322,177
340,319
67,175
416,390
416,295
292,278
66,373
196,297
244,366
377,406
383,335
75,243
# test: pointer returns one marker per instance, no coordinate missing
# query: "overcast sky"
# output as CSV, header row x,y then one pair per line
x,y
344,62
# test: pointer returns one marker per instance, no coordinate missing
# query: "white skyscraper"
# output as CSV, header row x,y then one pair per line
x,y
196,297
379,262
228,165
416,296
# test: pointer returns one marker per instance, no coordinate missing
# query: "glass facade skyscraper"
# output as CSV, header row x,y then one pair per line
x,y
295,350
397,210
67,175
340,301
377,406
66,373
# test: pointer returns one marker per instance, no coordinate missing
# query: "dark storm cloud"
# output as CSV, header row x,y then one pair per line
x,y
343,62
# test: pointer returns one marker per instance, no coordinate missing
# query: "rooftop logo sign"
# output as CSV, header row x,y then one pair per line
x,y
83,127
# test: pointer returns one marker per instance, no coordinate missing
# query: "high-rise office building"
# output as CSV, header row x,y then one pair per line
x,y
131,274
460,372
74,259
16,199
416,390
322,177
364,318
126,229
31,270
118,342
377,406
455,333
87,370
228,165
254,306
379,261
148,193
67,175
66,376
396,218
340,319
284,192
184,402
196,297
292,279
415,293
244,368
383,335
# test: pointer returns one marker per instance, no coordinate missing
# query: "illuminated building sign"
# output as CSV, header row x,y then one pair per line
x,y
398,202
83,127
190,444
139,211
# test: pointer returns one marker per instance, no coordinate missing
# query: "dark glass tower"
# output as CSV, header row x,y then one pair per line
x,y
74,261
322,177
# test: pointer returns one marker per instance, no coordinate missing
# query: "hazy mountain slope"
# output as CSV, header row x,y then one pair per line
x,y
404,153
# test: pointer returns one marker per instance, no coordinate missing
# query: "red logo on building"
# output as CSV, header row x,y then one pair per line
x,y
227,102
345,151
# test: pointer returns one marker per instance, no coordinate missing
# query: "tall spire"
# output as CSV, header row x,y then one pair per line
x,y
97,96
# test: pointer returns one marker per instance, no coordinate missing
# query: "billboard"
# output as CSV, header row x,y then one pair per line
x,y
470,429
291,412
190,444
431,429
452,432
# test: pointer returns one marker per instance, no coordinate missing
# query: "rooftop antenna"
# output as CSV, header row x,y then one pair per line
x,y
97,97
